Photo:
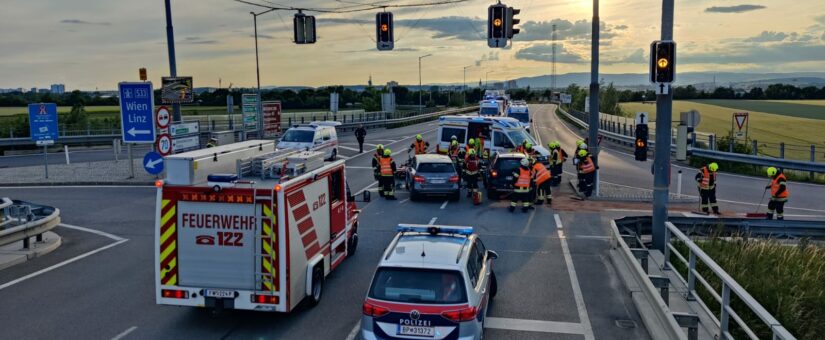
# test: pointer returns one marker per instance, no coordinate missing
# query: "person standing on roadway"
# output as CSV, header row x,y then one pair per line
x,y
376,158
779,193
587,172
419,146
706,179
521,187
580,145
557,158
471,167
387,170
541,176
360,134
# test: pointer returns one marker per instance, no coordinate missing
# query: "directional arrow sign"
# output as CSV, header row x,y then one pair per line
x,y
641,118
137,114
153,163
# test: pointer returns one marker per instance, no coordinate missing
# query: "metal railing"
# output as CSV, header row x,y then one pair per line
x,y
729,285
626,138
23,220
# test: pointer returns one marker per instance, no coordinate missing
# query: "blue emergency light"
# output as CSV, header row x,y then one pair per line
x,y
434,229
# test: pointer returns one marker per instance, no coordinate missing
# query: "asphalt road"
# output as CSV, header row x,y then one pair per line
x,y
553,271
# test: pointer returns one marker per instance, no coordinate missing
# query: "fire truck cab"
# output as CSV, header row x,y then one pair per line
x,y
266,242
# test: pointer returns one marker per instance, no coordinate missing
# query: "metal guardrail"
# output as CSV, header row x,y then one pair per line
x,y
729,285
717,155
33,219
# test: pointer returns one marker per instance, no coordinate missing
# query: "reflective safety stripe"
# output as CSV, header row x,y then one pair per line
x,y
706,175
587,165
523,178
168,243
471,164
540,173
776,183
269,256
386,166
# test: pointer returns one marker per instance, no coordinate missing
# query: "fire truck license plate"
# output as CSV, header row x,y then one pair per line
x,y
220,293
416,331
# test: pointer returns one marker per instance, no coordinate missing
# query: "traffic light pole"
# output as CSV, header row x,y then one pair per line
x,y
593,131
260,114
170,45
420,108
661,162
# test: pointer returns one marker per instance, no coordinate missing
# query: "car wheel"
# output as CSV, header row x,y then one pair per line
x,y
493,285
334,154
492,194
317,286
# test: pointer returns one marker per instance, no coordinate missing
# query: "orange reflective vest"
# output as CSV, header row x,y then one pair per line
x,y
523,180
420,147
386,166
559,156
586,166
540,173
777,183
706,177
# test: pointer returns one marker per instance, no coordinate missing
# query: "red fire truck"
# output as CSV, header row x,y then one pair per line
x,y
247,226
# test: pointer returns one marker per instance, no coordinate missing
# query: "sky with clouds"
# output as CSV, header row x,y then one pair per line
x,y
89,44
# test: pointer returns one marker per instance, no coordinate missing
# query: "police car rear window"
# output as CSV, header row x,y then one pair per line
x,y
436,167
298,136
412,285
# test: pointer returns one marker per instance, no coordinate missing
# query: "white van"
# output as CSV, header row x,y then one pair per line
x,y
500,134
315,136
491,108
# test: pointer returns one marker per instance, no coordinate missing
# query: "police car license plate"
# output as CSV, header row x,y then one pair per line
x,y
416,331
220,293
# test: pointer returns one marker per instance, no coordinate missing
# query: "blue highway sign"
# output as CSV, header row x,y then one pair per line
x,y
137,111
153,163
43,123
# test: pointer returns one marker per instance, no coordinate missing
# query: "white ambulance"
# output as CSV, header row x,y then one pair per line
x,y
266,242
499,134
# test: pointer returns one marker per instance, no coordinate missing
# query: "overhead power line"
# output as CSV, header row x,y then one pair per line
x,y
346,9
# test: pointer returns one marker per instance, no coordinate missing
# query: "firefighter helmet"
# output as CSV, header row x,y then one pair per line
x,y
713,166
582,153
772,171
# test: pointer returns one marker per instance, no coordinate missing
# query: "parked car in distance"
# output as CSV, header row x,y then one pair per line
x,y
432,174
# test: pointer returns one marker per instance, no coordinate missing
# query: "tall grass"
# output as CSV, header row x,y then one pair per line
x,y
788,280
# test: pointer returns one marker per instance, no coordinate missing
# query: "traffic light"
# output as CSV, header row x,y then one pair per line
x,y
512,21
497,25
641,142
662,62
304,28
384,31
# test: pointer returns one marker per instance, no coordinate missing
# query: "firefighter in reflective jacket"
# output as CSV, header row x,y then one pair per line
x,y
587,173
387,172
580,145
471,167
522,148
521,187
557,158
454,150
420,146
706,179
376,157
541,176
779,193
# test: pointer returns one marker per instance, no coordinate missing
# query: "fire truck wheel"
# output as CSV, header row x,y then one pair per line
x,y
353,245
317,286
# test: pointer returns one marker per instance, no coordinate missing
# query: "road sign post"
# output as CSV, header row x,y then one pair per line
x,y
43,128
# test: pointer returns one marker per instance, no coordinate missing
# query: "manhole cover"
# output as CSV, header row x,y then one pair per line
x,y
625,324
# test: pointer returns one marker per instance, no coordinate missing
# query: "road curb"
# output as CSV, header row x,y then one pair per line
x,y
8,258
92,183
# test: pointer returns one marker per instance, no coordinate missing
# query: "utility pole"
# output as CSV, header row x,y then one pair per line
x,y
420,107
170,45
464,88
661,161
593,131
260,114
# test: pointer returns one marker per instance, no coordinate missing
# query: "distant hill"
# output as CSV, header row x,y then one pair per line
x,y
688,78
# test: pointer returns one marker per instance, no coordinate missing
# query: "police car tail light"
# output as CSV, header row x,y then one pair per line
x,y
266,299
419,179
174,294
454,179
461,315
374,311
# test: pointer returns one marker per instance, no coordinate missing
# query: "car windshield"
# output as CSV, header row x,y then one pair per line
x,y
507,165
298,136
520,116
436,167
519,136
489,111
413,285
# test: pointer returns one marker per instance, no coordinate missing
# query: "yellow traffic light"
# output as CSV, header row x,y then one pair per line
x,y
384,27
640,142
662,62
497,22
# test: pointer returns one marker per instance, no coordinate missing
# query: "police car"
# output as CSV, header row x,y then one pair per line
x,y
433,282
315,136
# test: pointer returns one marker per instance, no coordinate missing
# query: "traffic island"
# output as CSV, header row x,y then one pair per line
x,y
16,253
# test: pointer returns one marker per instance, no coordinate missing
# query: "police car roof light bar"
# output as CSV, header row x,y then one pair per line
x,y
434,229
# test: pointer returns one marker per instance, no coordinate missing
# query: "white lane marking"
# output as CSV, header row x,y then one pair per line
x,y
125,333
61,264
343,157
354,332
529,223
444,205
574,281
370,145
534,325
558,221
93,231
366,188
403,201
347,148
432,221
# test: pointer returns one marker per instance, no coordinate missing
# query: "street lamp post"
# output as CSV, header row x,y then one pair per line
x,y
259,114
593,131
170,45
419,82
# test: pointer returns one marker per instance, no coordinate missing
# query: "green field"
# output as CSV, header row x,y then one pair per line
x,y
767,128
813,109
